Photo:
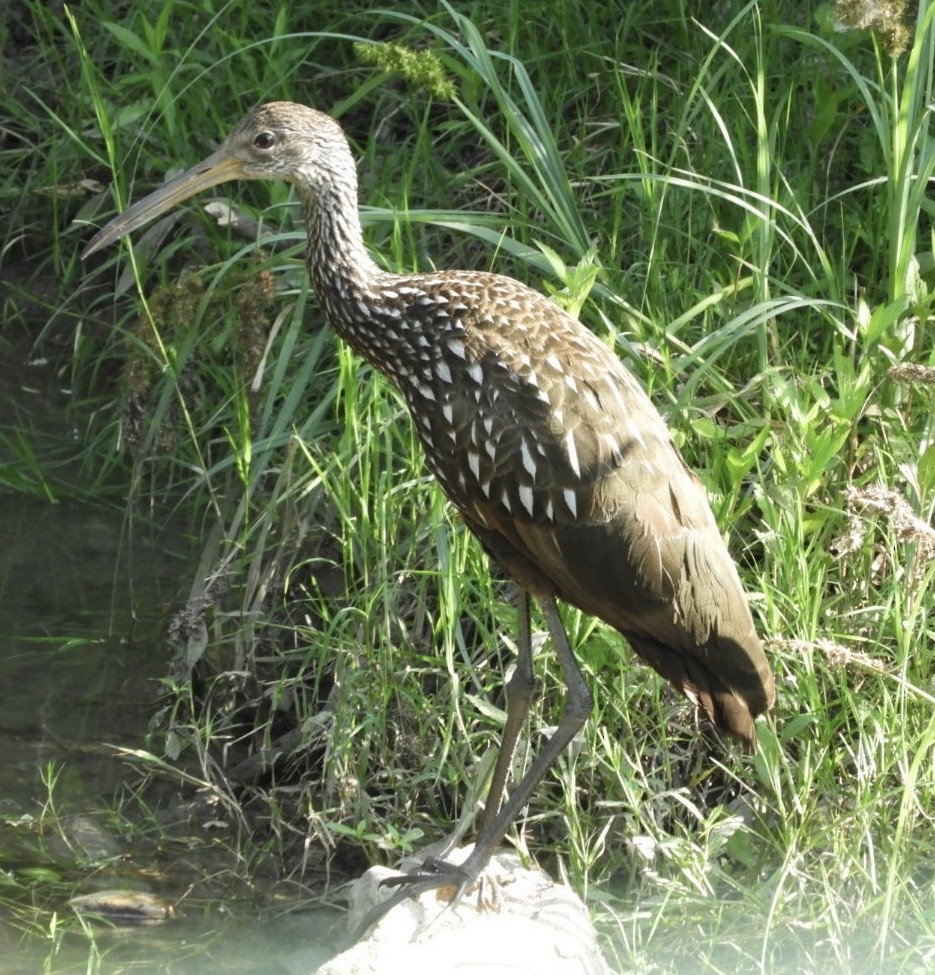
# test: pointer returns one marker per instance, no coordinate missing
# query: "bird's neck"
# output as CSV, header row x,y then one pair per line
x,y
342,272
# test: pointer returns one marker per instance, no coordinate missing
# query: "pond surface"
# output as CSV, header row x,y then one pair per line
x,y
84,604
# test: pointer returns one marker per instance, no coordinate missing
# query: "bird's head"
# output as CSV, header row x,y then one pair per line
x,y
279,140
282,140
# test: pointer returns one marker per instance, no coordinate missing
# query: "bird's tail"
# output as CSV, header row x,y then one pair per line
x,y
732,698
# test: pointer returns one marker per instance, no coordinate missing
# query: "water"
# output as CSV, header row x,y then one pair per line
x,y
79,650
84,603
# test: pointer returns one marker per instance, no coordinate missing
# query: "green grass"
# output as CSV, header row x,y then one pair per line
x,y
739,204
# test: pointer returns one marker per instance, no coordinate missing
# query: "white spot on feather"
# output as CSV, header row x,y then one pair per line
x,y
572,453
525,495
610,445
528,461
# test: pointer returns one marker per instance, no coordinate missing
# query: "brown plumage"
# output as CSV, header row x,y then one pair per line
x,y
545,443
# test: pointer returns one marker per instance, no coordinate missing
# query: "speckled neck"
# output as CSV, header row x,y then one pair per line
x,y
342,271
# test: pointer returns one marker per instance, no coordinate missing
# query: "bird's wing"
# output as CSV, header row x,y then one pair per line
x,y
540,423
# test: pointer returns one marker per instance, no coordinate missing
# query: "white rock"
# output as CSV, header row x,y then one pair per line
x,y
514,921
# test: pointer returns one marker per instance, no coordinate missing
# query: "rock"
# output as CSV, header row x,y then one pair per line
x,y
123,907
514,920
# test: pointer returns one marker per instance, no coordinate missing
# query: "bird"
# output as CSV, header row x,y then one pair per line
x,y
545,443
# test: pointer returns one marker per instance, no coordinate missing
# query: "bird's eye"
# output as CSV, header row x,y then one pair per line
x,y
265,140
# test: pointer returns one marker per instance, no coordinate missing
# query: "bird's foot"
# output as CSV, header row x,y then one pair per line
x,y
432,874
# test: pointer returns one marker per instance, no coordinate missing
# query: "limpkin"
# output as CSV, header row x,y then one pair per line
x,y
547,446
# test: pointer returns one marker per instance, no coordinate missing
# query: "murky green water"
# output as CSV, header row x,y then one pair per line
x,y
84,604
79,640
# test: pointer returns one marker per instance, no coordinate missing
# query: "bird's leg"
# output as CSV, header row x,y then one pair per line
x,y
439,873
578,706
520,693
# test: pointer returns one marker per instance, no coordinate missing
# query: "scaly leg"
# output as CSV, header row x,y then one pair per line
x,y
520,693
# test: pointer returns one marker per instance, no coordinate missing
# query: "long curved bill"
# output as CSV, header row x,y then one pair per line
x,y
220,167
